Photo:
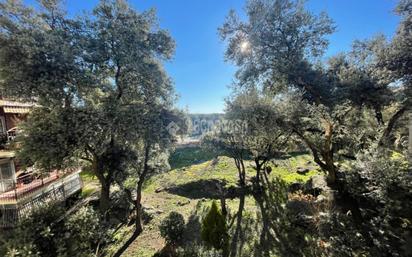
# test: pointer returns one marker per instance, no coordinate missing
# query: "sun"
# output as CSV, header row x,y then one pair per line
x,y
244,46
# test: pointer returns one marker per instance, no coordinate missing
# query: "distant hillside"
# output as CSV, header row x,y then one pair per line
x,y
202,123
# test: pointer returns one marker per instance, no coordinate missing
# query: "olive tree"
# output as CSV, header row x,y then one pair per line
x,y
279,49
92,77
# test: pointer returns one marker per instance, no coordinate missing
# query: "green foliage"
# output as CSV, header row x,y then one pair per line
x,y
83,234
99,80
184,157
214,229
272,54
43,234
382,186
198,251
172,228
35,233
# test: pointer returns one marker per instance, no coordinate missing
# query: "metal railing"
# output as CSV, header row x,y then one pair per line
x,y
12,133
57,191
28,185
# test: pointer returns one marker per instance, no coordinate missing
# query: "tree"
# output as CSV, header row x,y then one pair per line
x,y
263,138
278,50
93,77
172,228
214,230
250,131
274,49
229,144
153,148
395,59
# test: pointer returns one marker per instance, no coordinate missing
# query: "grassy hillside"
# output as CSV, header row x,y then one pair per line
x,y
190,185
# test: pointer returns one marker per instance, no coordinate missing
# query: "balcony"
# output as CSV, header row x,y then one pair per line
x,y
7,138
31,192
28,187
12,133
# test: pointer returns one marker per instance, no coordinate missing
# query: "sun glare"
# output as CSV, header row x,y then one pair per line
x,y
244,46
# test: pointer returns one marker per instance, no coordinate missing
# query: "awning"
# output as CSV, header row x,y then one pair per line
x,y
7,154
10,109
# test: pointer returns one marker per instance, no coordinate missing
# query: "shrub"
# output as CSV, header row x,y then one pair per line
x,y
381,185
172,228
214,229
43,233
83,232
35,233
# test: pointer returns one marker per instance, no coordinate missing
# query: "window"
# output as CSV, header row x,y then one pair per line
x,y
7,180
6,171
2,125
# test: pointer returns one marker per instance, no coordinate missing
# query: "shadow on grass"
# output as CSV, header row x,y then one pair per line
x,y
289,155
278,234
204,188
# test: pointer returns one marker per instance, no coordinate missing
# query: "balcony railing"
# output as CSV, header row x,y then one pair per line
x,y
28,185
56,190
12,133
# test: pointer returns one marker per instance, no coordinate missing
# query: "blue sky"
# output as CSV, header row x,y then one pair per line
x,y
198,68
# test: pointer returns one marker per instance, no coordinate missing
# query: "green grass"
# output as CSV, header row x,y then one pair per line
x,y
183,157
90,184
194,171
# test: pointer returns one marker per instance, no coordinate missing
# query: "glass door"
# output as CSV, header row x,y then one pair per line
x,y
7,176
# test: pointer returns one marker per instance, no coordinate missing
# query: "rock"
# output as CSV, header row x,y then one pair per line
x,y
316,185
305,221
149,213
215,161
296,186
302,171
158,190
321,199
300,213
183,203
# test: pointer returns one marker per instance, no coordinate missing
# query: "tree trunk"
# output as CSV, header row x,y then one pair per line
x,y
258,169
139,209
327,153
222,193
241,171
410,142
258,177
391,124
237,237
327,161
223,204
104,202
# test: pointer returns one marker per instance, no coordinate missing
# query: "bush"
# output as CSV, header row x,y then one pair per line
x,y
34,234
198,251
377,191
83,233
381,184
42,233
214,229
172,228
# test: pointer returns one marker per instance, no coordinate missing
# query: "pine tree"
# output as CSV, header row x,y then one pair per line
x,y
214,230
